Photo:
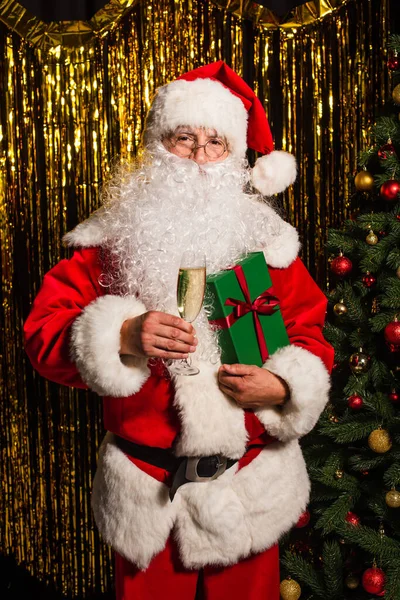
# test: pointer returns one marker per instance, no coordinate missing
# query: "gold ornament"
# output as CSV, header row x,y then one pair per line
x,y
379,441
333,419
338,474
398,272
396,94
352,582
392,499
359,362
372,239
290,589
340,309
364,181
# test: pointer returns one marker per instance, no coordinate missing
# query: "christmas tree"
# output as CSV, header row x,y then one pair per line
x,y
347,544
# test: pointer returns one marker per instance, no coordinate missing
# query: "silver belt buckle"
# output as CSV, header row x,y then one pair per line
x,y
191,468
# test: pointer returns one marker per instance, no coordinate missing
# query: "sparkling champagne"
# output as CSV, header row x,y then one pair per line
x,y
190,292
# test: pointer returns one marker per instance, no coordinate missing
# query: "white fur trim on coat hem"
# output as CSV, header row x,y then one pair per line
x,y
308,381
95,345
226,520
214,523
132,510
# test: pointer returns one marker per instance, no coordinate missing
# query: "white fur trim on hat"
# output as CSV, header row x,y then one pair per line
x,y
308,381
95,345
274,172
198,103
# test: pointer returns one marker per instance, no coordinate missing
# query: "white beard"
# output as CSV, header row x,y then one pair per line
x,y
170,206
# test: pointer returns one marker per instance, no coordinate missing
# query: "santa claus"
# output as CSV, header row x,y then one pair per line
x,y
198,477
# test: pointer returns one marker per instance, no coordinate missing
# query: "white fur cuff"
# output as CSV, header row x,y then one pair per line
x,y
95,345
308,381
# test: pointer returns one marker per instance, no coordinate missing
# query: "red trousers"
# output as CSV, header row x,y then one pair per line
x,y
254,578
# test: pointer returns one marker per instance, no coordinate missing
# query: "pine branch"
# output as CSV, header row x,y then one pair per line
x,y
371,541
379,405
333,333
380,372
374,221
351,429
356,384
361,462
393,258
391,291
394,44
334,515
391,477
337,240
333,570
379,321
392,584
385,128
302,570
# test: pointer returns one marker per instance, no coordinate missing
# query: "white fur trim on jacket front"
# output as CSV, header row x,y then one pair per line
x,y
211,422
95,345
308,381
215,523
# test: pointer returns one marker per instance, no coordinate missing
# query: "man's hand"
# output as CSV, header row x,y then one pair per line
x,y
251,386
157,334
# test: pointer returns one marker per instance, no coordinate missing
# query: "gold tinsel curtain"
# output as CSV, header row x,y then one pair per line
x,y
65,116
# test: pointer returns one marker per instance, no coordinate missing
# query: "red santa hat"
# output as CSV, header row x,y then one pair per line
x,y
215,97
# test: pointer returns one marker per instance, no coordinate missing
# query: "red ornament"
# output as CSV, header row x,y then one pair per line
x,y
352,518
392,332
341,266
393,62
369,280
355,402
390,190
373,581
382,233
393,348
304,519
386,150
394,397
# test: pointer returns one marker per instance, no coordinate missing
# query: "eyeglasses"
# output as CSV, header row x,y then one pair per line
x,y
187,145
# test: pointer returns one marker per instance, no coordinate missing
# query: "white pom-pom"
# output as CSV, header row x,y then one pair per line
x,y
274,172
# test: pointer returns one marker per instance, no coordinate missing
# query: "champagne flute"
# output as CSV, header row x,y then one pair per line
x,y
190,290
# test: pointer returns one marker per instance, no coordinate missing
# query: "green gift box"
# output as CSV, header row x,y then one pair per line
x,y
245,312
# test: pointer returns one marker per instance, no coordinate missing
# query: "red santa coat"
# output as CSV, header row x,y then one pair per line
x,y
72,337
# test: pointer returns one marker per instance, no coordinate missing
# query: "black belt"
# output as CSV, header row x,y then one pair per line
x,y
185,468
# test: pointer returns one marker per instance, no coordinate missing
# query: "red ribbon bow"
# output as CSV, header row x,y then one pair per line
x,y
264,304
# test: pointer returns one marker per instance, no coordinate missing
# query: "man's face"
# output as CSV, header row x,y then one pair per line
x,y
198,144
